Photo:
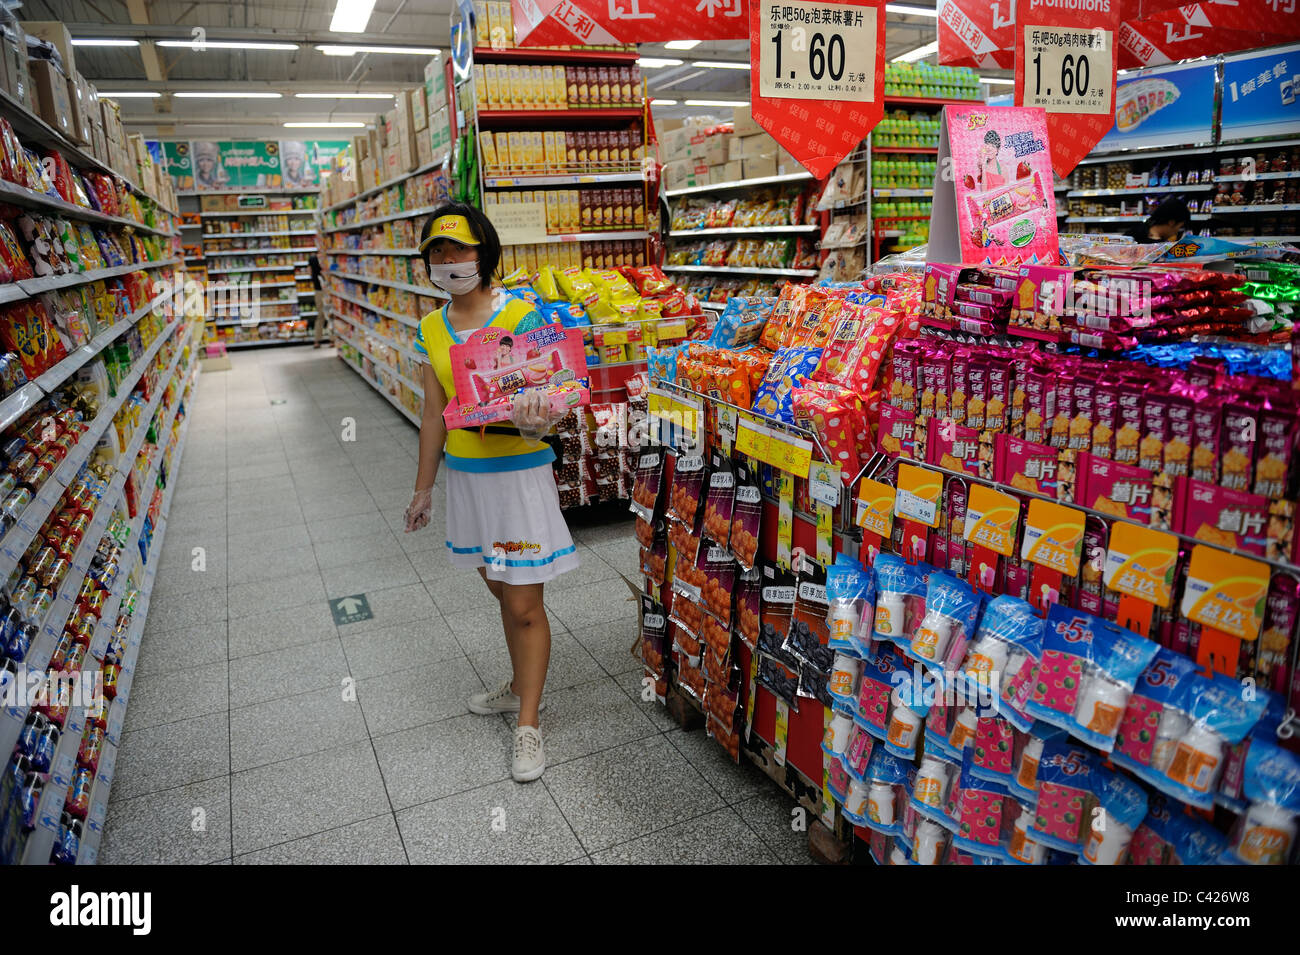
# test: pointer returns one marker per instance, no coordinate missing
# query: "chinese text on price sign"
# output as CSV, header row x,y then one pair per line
x,y
1069,70
818,51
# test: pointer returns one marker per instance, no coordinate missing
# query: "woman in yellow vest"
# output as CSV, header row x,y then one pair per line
x,y
503,510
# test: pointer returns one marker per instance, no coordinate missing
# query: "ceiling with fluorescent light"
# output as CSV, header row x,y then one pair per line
x,y
408,23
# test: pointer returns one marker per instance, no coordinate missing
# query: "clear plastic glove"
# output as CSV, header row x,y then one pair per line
x,y
532,415
419,511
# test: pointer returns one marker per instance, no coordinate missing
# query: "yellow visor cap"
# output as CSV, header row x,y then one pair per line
x,y
455,228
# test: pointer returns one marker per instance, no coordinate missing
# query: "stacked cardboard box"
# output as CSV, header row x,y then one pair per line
x,y
758,153
695,156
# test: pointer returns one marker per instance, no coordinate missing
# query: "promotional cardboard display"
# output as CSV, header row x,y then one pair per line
x,y
493,366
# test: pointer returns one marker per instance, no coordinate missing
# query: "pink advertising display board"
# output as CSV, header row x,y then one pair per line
x,y
493,365
993,201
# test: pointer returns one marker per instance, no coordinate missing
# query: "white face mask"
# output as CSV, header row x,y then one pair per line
x,y
452,278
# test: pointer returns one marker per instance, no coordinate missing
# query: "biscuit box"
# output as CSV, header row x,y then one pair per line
x,y
492,365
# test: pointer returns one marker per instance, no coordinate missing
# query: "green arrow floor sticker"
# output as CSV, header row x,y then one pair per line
x,y
352,609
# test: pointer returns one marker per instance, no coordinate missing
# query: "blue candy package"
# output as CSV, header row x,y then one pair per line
x,y
663,363
1154,720
951,607
908,709
741,322
1121,807
1231,791
1067,780
1087,672
984,815
888,778
1266,834
851,593
790,369
900,597
1009,638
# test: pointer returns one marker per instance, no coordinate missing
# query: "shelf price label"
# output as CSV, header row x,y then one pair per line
x,y
876,508
918,495
1070,69
1140,563
1053,537
818,50
990,520
1225,592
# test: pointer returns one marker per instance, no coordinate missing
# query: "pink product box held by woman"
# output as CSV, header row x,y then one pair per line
x,y
493,365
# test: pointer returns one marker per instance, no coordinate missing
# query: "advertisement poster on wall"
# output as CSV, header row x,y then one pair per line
x,y
302,161
1261,94
235,165
1161,107
176,157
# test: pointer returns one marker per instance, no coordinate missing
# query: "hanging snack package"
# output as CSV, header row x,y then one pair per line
x,y
900,598
688,584
645,489
778,597
1168,837
908,708
717,640
994,749
782,680
718,580
807,637
747,511
1067,775
654,561
1265,833
686,490
685,540
984,814
951,606
646,532
881,807
1124,804
851,594
1088,669
1155,719
790,368
654,635
1009,639
876,687
748,606
719,500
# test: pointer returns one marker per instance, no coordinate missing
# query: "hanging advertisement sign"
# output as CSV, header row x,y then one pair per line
x,y
303,161
1261,94
569,22
235,165
976,34
177,164
820,79
1163,106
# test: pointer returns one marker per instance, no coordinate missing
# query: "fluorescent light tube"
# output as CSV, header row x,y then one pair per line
x,y
656,62
232,94
681,44
131,94
337,125
345,95
343,50
920,53
717,102
92,41
351,16
201,45
720,65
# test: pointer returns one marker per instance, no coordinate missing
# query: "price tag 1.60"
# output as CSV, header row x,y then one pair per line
x,y
1069,69
817,51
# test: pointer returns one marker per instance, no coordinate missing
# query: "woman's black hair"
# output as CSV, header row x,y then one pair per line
x,y
489,247
507,341
991,138
1171,210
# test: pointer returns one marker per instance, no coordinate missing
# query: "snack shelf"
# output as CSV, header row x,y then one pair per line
x,y
191,225
261,321
927,101
1137,190
405,214
1276,207
264,342
1200,148
404,286
1196,218
15,405
271,251
487,54
391,344
306,314
375,190
34,130
194,258
254,268
50,283
256,235
372,252
903,193
739,270
253,192
406,412
227,286
744,230
719,306
55,376
587,236
916,150
738,184
404,319
257,212
223,307
380,364
93,832
504,117
29,198
1289,174
575,179
306,294
300,262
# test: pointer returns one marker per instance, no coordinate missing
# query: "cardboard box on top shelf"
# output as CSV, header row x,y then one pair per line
x,y
360,147
50,95
56,34
408,154
98,144
419,106
402,114
729,171
759,166
13,51
423,148
80,101
743,121
685,173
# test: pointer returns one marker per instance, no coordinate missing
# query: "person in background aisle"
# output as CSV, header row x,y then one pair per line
x,y
503,510
1167,224
317,262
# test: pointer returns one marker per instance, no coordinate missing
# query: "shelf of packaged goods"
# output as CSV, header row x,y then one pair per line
x,y
51,283
1265,208
718,306
254,192
575,179
740,270
373,252
407,413
903,193
1289,174
264,342
743,230
257,235
1137,190
247,307
261,321
33,130
487,54
739,184
258,268
415,389
403,286
914,150
392,217
30,199
1263,238
1196,218
300,262
510,117
193,258
222,288
609,236
306,314
375,190
191,225
926,101
396,316
306,294
257,212
53,377
391,343
224,253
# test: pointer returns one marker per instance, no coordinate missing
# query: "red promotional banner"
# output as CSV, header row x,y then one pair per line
x,y
819,79
569,22
1065,64
977,34
1159,32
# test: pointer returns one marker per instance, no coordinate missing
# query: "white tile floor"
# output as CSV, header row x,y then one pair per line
x,y
239,744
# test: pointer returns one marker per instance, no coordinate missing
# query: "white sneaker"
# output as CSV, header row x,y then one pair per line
x,y
500,700
530,755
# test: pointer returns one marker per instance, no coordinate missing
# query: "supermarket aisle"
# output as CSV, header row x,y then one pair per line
x,y
241,738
